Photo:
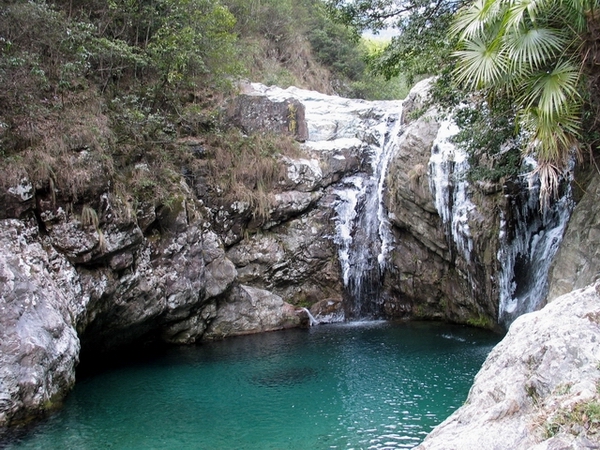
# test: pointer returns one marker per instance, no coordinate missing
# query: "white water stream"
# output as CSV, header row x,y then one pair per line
x,y
371,130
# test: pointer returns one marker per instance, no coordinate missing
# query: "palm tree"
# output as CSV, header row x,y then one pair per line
x,y
531,52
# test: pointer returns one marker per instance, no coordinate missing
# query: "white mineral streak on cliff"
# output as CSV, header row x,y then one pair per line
x,y
363,231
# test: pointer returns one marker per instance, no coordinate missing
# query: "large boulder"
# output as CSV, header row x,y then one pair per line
x,y
257,113
538,388
251,310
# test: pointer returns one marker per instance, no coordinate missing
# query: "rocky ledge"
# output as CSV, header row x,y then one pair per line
x,y
539,388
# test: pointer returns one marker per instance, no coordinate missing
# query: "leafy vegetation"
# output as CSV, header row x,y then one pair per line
x,y
106,92
526,63
529,53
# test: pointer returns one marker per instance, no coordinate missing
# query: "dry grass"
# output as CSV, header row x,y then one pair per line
x,y
66,150
247,168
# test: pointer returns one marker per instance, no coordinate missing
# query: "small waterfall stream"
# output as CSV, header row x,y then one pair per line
x,y
528,240
448,168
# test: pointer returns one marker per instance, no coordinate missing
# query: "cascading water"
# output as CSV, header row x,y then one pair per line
x,y
363,233
529,239
448,167
527,250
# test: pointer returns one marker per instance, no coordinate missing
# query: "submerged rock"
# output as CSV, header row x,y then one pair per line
x,y
540,386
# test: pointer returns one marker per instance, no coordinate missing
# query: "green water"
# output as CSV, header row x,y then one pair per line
x,y
353,386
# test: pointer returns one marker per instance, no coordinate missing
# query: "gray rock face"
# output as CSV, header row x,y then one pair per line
x,y
535,387
255,113
577,262
40,301
429,276
72,285
250,310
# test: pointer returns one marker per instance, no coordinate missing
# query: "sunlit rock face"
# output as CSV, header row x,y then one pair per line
x,y
535,387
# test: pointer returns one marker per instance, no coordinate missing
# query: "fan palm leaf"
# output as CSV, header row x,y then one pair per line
x,y
554,92
473,20
481,64
533,46
520,12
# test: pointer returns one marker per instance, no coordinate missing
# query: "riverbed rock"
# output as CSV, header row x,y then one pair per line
x,y
251,310
538,388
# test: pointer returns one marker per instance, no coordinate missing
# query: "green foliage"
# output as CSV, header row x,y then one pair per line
x,y
194,38
488,134
421,46
529,53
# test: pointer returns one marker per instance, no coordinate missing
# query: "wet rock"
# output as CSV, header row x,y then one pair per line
x,y
17,200
330,310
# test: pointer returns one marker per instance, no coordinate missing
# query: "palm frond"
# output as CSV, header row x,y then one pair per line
x,y
574,13
524,11
554,92
533,46
549,175
472,21
552,138
480,64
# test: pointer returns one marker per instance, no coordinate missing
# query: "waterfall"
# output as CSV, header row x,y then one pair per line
x,y
448,167
528,239
371,237
527,250
363,232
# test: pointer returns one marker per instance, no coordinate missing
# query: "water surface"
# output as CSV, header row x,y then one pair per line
x,y
374,385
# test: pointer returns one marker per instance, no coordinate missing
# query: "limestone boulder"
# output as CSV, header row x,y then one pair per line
x,y
40,302
538,388
251,310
